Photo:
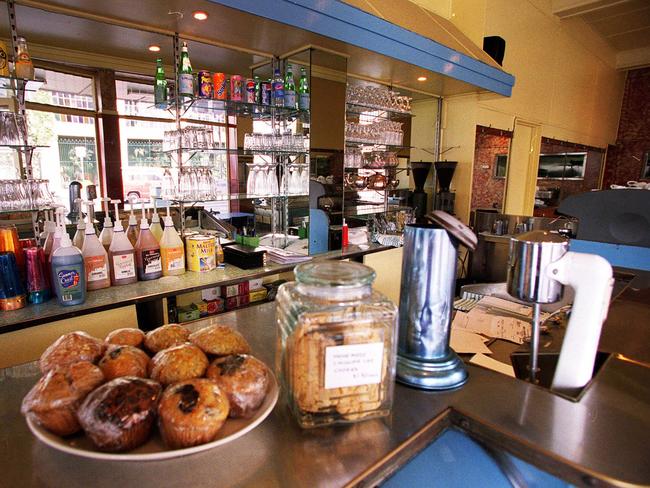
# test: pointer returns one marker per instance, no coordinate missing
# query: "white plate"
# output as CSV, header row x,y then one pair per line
x,y
154,449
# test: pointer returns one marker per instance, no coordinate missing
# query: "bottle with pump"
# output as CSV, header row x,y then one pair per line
x,y
121,255
155,228
69,273
95,260
49,227
172,250
132,232
147,253
78,239
58,232
106,235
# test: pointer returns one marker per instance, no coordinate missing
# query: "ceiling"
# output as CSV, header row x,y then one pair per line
x,y
230,40
623,24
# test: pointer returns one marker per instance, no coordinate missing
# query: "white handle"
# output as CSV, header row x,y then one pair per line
x,y
591,278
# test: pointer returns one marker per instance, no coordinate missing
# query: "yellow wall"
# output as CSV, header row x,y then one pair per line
x,y
565,80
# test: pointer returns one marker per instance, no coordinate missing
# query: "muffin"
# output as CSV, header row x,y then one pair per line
x,y
244,379
178,363
124,361
127,336
165,336
191,412
220,341
71,348
118,416
54,399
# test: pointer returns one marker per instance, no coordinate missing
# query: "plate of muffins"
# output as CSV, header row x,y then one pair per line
x,y
137,397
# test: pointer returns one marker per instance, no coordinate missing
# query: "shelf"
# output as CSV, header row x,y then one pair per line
x,y
357,108
239,109
382,168
379,147
239,152
232,196
21,83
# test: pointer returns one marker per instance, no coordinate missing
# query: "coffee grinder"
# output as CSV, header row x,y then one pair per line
x,y
418,197
444,199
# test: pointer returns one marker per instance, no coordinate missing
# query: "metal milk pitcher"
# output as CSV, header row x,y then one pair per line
x,y
424,358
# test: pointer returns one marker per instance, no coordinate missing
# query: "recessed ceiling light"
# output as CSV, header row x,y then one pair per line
x,y
200,15
422,78
154,48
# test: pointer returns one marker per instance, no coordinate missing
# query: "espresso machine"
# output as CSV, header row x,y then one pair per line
x,y
444,198
539,266
418,197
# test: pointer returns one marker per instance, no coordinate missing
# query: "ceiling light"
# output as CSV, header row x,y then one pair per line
x,y
200,15
154,48
422,78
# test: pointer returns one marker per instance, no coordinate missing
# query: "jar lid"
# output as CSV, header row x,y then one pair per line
x,y
334,273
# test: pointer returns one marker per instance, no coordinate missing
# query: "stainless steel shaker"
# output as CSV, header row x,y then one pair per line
x,y
424,358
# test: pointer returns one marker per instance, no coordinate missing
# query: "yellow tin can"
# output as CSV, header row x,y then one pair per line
x,y
200,253
4,59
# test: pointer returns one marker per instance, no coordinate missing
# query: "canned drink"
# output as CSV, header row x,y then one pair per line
x,y
250,91
267,89
201,253
236,88
205,84
219,84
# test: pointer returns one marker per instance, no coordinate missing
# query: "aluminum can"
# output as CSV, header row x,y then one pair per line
x,y
205,84
219,84
201,253
250,91
236,88
267,89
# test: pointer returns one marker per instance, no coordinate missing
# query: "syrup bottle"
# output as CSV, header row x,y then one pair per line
x,y
95,259
147,253
121,255
172,249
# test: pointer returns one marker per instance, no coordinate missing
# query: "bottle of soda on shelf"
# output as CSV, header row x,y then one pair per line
x,y
278,88
160,86
303,91
24,67
185,78
289,88
258,89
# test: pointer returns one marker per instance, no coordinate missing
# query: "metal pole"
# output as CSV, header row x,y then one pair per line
x,y
534,343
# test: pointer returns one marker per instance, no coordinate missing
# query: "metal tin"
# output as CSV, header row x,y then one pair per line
x,y
219,86
250,91
12,292
424,358
37,282
205,86
200,253
236,88
267,89
530,254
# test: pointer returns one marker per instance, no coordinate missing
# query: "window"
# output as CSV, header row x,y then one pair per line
x,y
61,117
146,152
500,166
562,166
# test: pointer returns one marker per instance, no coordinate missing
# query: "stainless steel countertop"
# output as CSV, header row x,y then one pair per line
x,y
602,438
142,291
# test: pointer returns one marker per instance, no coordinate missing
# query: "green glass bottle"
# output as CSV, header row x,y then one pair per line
x,y
289,88
185,78
303,91
160,87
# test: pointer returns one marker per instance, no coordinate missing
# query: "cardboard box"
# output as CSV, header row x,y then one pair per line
x,y
209,294
228,291
188,313
258,295
215,306
237,302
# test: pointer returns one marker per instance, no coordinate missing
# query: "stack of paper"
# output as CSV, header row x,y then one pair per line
x,y
282,256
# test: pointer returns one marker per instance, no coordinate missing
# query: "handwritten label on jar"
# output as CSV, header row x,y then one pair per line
x,y
353,365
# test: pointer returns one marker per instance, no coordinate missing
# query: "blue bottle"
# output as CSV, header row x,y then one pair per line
x,y
68,273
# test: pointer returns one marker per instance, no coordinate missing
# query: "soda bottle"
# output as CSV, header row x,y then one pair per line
x,y
289,88
160,87
185,78
23,66
278,88
258,90
303,91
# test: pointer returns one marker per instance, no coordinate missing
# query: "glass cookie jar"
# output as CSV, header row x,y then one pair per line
x,y
336,344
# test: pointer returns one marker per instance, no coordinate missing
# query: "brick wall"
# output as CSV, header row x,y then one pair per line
x,y
487,190
625,160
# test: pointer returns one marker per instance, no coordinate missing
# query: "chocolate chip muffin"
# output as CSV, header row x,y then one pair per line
x,y
244,379
191,412
53,400
71,348
165,336
118,416
220,340
127,336
124,361
178,363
